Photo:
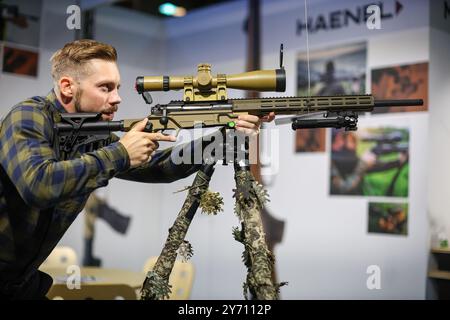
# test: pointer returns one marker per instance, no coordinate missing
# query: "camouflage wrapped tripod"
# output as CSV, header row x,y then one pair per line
x,y
250,199
156,285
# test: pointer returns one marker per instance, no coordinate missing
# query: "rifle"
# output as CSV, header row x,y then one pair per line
x,y
205,103
386,148
394,136
387,143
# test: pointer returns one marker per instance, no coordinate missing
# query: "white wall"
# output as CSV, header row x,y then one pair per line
x,y
439,129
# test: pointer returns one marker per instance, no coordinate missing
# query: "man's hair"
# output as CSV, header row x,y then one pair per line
x,y
73,59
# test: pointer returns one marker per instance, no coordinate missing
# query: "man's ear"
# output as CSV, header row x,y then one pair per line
x,y
67,87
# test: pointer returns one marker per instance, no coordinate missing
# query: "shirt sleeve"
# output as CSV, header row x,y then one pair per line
x,y
30,161
173,163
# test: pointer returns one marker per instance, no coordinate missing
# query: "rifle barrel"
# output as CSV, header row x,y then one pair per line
x,y
398,103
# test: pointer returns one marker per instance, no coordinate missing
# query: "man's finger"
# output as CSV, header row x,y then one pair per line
x,y
248,118
140,125
160,137
246,124
269,117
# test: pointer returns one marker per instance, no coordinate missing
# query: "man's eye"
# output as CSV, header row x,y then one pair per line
x,y
104,88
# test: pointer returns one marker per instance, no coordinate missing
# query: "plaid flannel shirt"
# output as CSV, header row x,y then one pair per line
x,y
41,195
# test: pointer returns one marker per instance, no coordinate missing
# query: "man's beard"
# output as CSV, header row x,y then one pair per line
x,y
77,100
77,103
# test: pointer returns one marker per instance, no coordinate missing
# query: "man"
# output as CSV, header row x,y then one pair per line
x,y
331,86
40,194
347,169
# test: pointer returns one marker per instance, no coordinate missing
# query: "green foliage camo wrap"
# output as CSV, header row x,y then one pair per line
x,y
250,199
156,285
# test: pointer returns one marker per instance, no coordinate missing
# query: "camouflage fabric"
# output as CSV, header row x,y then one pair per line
x,y
156,285
250,199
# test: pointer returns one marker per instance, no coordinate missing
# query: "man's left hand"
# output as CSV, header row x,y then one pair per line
x,y
250,125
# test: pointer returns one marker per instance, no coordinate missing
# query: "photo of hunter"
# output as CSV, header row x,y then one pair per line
x,y
388,218
370,162
401,82
310,140
333,71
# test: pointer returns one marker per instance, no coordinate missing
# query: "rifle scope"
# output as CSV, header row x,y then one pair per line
x,y
259,80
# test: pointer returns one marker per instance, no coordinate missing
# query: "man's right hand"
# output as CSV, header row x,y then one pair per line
x,y
140,145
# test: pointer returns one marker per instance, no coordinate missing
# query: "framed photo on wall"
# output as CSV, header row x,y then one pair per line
x,y
310,140
333,71
20,61
391,218
20,22
370,162
401,82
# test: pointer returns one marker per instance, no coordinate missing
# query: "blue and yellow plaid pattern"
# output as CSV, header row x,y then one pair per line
x,y
41,195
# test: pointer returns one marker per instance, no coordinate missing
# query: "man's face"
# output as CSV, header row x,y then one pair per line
x,y
99,91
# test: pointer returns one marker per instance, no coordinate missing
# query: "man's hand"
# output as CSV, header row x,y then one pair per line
x,y
140,145
369,158
403,157
250,125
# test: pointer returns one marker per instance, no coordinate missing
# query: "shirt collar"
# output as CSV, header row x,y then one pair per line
x,y
55,102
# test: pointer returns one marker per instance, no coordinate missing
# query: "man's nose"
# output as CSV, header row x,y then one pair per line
x,y
115,97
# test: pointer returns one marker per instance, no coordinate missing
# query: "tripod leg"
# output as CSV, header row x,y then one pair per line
x,y
156,285
250,197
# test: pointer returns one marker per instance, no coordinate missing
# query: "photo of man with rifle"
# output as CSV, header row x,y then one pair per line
x,y
371,162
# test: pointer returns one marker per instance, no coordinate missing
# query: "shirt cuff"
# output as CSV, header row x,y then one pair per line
x,y
118,155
